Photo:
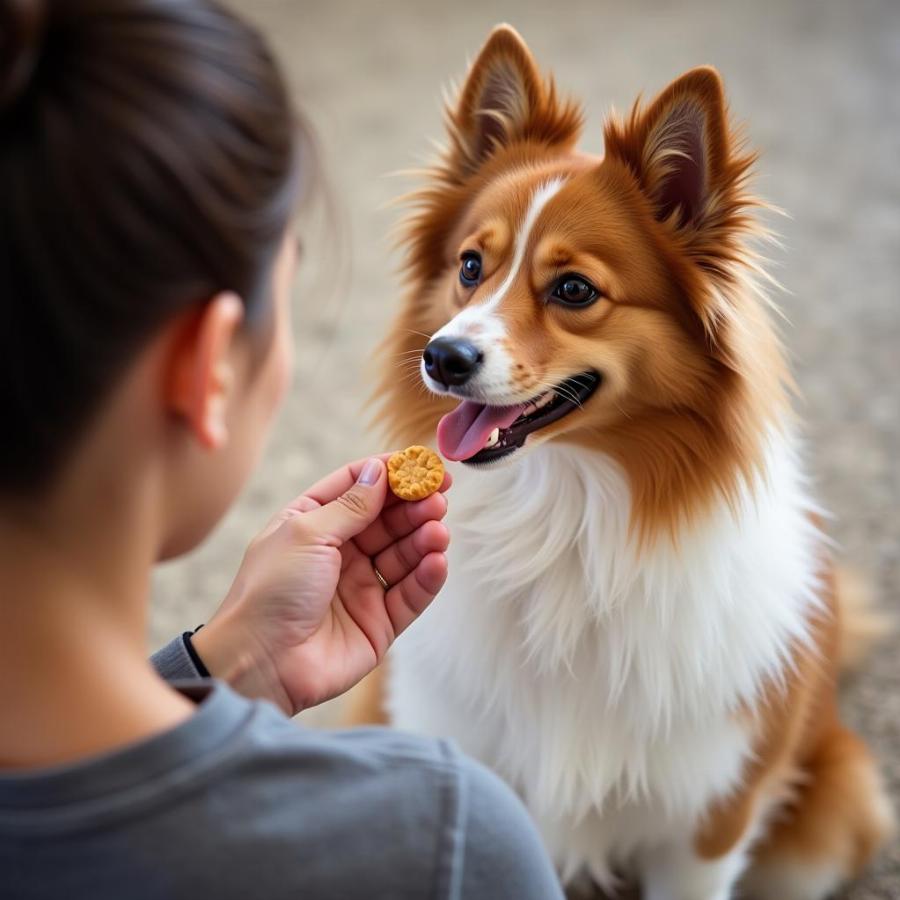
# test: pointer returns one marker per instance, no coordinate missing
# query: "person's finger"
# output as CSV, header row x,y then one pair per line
x,y
351,511
337,482
402,557
332,486
300,505
407,600
399,520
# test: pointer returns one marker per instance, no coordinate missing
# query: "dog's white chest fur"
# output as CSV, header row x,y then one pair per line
x,y
604,684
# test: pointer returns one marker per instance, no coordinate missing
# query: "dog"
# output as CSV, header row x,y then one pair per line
x,y
642,627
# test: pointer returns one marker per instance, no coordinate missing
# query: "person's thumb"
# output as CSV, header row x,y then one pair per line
x,y
346,516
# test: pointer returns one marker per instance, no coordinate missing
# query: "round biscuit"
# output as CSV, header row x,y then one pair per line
x,y
415,473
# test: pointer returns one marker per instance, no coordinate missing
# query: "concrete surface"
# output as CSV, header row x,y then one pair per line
x,y
818,84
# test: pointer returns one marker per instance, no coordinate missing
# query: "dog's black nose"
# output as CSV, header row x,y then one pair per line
x,y
451,360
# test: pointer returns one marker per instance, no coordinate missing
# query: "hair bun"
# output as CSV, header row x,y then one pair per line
x,y
22,25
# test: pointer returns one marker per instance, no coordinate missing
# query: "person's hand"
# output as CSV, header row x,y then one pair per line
x,y
307,616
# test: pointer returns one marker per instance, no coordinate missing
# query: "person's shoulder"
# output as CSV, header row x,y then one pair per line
x,y
503,855
355,752
440,816
367,812
408,777
382,748
374,812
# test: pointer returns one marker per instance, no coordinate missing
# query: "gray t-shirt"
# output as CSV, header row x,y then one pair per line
x,y
239,802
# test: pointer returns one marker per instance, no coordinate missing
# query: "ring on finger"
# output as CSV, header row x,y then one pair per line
x,y
381,579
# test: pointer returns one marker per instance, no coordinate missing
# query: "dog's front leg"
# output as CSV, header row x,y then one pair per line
x,y
677,872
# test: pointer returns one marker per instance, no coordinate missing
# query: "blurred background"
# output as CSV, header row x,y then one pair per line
x,y
818,85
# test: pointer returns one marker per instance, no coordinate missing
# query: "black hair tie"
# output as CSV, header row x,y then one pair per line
x,y
199,665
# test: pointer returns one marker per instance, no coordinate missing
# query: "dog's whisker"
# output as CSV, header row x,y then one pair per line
x,y
419,333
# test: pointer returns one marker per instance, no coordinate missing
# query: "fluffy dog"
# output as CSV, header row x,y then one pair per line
x,y
642,627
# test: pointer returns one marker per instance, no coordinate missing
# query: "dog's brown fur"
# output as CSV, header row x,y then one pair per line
x,y
693,375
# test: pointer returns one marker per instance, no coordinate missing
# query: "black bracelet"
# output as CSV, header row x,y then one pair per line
x,y
193,654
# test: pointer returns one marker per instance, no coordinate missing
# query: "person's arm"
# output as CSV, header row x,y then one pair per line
x,y
308,616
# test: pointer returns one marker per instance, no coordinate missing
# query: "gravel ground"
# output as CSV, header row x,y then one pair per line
x,y
817,83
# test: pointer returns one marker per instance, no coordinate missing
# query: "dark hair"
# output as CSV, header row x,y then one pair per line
x,y
148,160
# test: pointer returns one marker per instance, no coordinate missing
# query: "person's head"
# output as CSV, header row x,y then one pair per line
x,y
149,162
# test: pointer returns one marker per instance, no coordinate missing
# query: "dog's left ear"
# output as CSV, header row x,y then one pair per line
x,y
679,148
693,170
503,100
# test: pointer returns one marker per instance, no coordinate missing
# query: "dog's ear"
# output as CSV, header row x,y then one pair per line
x,y
694,170
504,99
679,148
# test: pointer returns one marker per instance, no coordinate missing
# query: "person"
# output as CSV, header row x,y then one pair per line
x,y
150,165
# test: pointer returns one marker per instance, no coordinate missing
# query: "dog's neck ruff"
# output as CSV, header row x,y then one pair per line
x,y
587,668
548,541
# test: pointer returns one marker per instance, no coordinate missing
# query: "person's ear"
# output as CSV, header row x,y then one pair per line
x,y
202,369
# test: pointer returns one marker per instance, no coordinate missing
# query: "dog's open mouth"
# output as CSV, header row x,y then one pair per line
x,y
478,433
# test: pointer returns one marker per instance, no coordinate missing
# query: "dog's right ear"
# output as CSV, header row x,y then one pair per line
x,y
505,100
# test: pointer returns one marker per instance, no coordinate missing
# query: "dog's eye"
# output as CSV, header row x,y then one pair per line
x,y
573,290
470,269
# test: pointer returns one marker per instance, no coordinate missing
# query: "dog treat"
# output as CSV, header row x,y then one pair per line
x,y
415,473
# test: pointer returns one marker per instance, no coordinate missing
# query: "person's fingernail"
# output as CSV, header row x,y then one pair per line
x,y
370,472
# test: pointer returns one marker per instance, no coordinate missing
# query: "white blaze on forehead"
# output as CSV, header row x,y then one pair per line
x,y
482,313
538,201
481,323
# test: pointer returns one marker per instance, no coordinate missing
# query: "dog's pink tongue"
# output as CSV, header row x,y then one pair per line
x,y
462,433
